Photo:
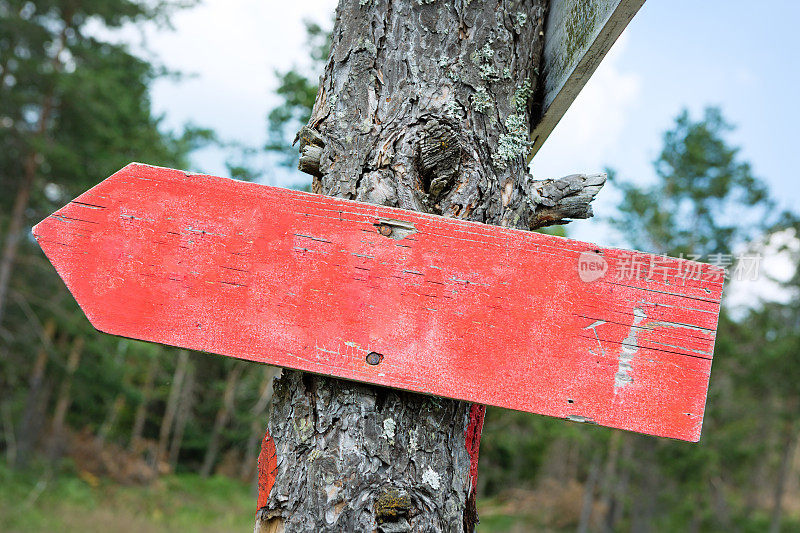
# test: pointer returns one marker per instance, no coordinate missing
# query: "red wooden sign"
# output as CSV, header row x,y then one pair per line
x,y
434,305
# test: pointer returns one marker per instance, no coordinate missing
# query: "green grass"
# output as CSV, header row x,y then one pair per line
x,y
30,502
502,524
185,502
174,503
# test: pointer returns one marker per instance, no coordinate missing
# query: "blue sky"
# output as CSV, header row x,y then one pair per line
x,y
690,54
738,55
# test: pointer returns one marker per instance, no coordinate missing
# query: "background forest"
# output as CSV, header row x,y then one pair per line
x,y
96,430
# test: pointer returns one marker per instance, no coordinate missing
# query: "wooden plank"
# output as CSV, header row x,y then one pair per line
x,y
375,294
578,34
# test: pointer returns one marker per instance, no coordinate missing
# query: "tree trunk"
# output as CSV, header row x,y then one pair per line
x,y
172,404
757,486
31,423
608,484
722,511
119,400
141,410
182,417
783,470
64,399
354,457
9,434
649,479
30,168
617,511
221,420
111,418
426,106
585,522
14,231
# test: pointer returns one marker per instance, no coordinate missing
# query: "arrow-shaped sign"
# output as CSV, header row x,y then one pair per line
x,y
429,304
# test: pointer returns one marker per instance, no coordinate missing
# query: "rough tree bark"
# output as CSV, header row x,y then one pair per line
x,y
424,105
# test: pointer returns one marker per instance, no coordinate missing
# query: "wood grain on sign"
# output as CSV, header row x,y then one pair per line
x,y
375,294
578,35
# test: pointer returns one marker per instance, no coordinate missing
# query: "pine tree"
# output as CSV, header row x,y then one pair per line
x,y
74,108
705,200
706,204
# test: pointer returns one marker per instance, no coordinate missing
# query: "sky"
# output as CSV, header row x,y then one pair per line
x,y
675,54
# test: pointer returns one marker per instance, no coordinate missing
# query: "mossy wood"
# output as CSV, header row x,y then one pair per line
x,y
578,34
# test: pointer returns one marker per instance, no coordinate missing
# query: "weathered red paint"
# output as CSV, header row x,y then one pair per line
x,y
267,469
459,309
472,440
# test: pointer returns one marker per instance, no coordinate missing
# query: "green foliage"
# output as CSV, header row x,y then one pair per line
x,y
513,447
77,105
772,330
297,88
705,201
74,108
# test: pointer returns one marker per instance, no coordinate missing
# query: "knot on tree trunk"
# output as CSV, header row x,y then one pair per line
x,y
425,106
439,156
392,509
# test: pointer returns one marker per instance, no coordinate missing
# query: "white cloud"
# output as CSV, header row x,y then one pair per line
x,y
230,49
593,125
233,46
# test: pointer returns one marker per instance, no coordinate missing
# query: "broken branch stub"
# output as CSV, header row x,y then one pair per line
x,y
561,200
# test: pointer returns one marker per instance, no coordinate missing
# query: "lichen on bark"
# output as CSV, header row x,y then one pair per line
x,y
397,65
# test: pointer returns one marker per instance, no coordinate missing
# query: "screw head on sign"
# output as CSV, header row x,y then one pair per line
x,y
385,230
374,358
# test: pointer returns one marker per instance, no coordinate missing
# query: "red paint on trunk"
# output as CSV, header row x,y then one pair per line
x,y
459,309
267,469
472,440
